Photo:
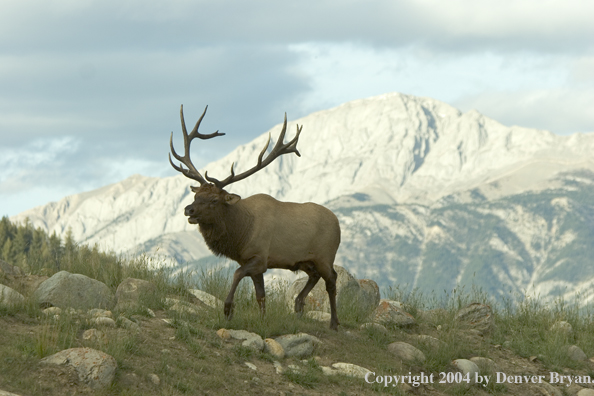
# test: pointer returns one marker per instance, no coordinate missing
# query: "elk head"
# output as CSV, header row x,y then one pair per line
x,y
210,197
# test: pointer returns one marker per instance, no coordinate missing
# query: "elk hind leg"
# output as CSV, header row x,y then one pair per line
x,y
260,291
330,279
314,277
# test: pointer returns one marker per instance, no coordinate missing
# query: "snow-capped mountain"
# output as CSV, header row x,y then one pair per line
x,y
427,196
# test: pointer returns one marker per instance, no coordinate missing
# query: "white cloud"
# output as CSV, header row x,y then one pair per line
x,y
98,84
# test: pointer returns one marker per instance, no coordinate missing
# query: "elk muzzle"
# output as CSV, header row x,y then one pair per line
x,y
192,214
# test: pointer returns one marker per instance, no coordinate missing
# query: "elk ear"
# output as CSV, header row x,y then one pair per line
x,y
231,199
194,189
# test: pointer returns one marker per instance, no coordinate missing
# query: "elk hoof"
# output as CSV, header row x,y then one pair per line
x,y
228,311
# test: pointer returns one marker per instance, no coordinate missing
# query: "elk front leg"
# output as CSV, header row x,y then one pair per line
x,y
260,292
252,267
314,277
331,289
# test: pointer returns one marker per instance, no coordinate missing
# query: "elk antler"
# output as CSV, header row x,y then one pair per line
x,y
191,172
278,150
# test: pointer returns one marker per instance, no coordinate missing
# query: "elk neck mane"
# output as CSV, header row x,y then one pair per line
x,y
229,232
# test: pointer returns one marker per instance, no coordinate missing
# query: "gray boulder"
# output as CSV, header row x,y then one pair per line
x,y
74,290
406,352
94,368
390,312
10,297
298,345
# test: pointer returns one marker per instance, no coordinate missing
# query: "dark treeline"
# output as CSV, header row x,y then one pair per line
x,y
38,252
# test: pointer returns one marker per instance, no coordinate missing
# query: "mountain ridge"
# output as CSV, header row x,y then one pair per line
x,y
394,159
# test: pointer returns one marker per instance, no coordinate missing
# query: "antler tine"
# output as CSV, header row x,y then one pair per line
x,y
191,172
279,149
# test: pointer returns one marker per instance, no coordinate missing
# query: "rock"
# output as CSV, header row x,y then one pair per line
x,y
318,315
406,352
476,316
103,321
5,393
575,353
251,340
93,335
251,365
433,315
52,311
485,365
97,312
182,307
298,345
10,270
74,290
155,379
224,334
278,367
562,327
390,312
273,348
9,297
94,368
126,323
348,369
432,342
466,367
347,290
133,292
375,326
369,295
585,392
207,299
551,390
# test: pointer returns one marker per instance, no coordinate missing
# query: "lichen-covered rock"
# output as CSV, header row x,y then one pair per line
x,y
476,316
406,352
298,345
74,290
94,368
93,335
390,312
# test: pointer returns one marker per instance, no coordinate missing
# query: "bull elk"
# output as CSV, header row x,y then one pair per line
x,y
259,232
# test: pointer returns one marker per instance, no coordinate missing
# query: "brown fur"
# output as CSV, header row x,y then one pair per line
x,y
260,232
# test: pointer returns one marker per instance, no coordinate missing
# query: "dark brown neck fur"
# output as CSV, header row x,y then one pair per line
x,y
229,232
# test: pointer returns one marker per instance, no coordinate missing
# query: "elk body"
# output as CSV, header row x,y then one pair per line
x,y
260,232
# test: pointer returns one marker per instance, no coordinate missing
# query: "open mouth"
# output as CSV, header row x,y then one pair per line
x,y
192,220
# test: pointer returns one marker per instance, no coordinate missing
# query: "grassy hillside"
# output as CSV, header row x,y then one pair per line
x,y
190,359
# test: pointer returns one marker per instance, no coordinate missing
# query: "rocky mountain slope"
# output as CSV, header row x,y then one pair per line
x,y
427,197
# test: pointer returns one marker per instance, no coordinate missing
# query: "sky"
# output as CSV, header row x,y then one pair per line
x,y
90,90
